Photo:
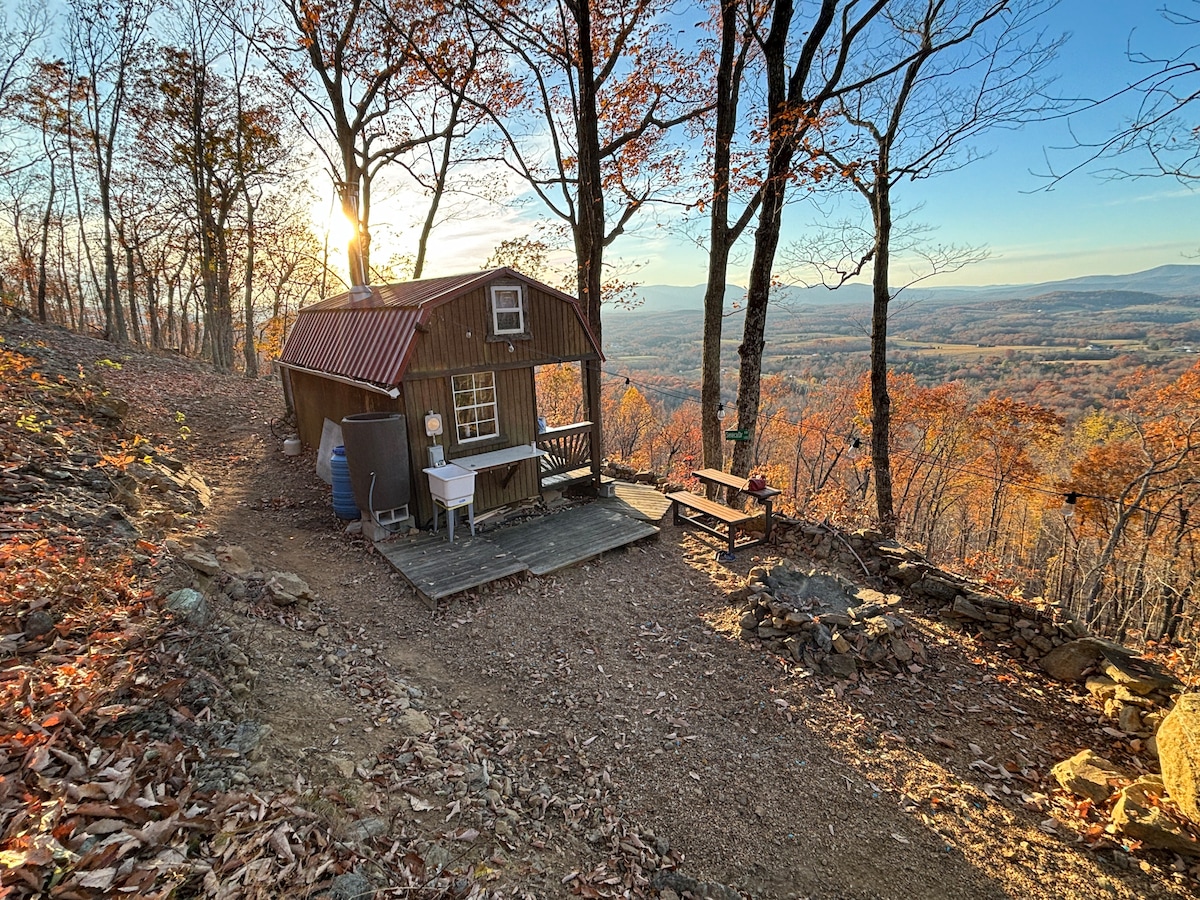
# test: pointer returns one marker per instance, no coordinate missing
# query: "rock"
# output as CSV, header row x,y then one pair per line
x,y
1070,661
1178,742
1138,814
39,622
937,588
1129,719
900,649
908,573
202,561
364,829
351,886
880,625
1088,775
1101,687
965,609
1137,674
795,619
290,584
413,723
234,560
247,738
437,858
344,767
189,605
108,406
843,665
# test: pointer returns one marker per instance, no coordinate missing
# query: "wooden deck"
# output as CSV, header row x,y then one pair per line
x,y
641,501
554,542
437,568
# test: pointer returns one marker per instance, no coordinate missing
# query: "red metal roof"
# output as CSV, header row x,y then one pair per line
x,y
408,294
370,339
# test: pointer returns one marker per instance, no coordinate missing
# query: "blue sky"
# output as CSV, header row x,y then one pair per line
x,y
1085,225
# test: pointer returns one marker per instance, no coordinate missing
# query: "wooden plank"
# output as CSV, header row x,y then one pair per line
x,y
573,476
718,477
710,508
437,568
642,501
569,537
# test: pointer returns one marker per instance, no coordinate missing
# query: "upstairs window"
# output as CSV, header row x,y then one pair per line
x,y
508,310
475,416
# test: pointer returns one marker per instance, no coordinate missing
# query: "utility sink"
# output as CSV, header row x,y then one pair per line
x,y
451,484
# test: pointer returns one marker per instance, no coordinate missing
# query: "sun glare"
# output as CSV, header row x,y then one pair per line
x,y
330,225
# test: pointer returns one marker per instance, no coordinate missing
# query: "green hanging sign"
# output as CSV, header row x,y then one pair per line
x,y
737,434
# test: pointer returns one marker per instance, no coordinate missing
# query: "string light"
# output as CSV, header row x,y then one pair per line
x,y
1068,507
720,411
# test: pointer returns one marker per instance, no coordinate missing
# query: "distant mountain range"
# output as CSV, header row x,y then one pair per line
x,y
1163,281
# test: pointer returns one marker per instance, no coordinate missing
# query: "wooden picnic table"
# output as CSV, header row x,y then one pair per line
x,y
766,496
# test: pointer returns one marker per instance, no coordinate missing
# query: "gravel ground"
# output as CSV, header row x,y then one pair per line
x,y
604,729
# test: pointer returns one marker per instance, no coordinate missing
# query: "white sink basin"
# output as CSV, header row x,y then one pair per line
x,y
451,484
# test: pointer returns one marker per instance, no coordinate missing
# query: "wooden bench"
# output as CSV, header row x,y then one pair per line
x,y
709,509
764,495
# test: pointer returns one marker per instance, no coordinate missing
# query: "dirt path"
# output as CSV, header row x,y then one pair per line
x,y
621,724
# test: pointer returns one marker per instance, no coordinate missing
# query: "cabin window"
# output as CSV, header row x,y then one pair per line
x,y
508,310
475,406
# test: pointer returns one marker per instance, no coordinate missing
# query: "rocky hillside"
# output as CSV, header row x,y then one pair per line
x,y
212,690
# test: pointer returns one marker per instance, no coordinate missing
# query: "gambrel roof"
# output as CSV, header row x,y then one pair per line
x,y
371,338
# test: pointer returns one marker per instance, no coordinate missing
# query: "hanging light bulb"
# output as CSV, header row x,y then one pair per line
x,y
853,446
720,411
511,348
1068,507
626,381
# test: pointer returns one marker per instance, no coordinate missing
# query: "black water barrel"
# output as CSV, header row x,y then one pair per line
x,y
377,451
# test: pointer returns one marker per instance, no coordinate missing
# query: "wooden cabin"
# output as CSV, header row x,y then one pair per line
x,y
464,347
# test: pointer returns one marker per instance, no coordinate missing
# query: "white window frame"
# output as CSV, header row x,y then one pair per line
x,y
465,390
497,311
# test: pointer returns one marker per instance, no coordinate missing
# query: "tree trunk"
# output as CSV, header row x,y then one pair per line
x,y
720,243
249,345
589,232
45,248
766,239
881,402
135,319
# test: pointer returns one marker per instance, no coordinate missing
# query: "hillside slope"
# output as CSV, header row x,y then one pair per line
x,y
600,732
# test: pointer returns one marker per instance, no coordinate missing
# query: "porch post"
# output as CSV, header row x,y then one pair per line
x,y
591,393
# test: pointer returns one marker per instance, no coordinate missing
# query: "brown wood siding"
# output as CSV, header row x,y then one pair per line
x,y
555,334
317,399
518,425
